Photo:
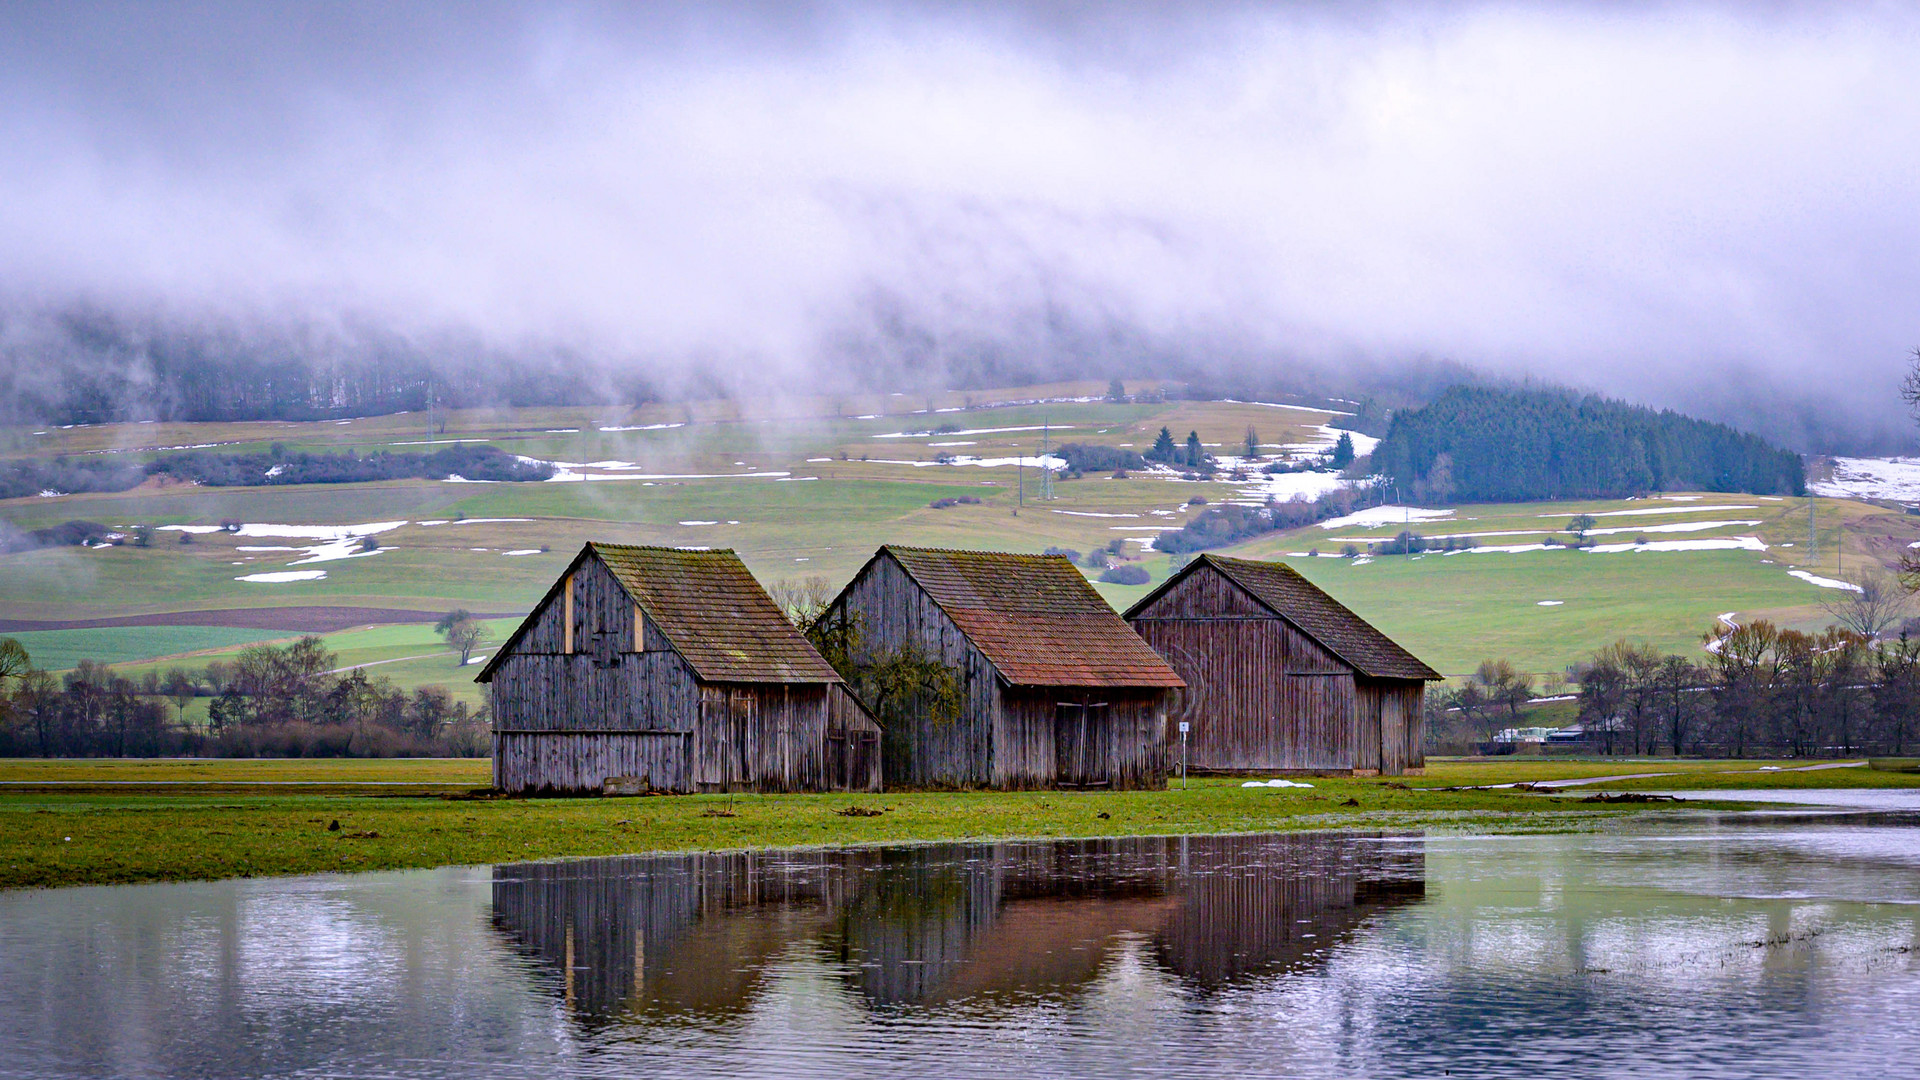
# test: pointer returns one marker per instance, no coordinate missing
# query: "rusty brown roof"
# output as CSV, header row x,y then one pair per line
x,y
1284,591
712,611
1035,618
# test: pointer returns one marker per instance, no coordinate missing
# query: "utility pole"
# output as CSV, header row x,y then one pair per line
x,y
1046,474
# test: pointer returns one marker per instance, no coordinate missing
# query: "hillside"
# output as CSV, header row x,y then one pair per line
x,y
1488,444
808,489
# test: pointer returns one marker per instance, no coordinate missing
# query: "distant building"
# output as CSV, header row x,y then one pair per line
x,y
1280,677
671,670
1056,690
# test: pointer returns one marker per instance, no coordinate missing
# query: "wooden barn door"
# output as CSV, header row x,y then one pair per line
x,y
1081,732
726,722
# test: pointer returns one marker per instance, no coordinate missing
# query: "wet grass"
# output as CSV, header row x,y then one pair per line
x,y
122,821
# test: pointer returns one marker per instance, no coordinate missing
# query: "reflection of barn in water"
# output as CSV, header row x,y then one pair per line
x,y
694,936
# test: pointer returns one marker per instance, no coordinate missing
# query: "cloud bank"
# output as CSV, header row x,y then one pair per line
x,y
1705,207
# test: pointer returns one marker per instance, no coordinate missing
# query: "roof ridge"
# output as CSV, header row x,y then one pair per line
x,y
1227,564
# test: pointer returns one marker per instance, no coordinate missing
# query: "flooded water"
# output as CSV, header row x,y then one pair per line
x,y
1774,944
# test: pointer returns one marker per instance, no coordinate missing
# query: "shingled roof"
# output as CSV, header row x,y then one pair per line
x,y
1035,618
1281,589
713,612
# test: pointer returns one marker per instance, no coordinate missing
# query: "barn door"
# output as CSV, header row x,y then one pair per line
x,y
1079,731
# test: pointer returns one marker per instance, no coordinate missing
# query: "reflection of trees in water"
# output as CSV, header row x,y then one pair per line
x,y
694,936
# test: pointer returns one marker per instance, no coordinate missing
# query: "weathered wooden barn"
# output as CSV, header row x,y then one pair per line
x,y
1282,678
674,670
1056,690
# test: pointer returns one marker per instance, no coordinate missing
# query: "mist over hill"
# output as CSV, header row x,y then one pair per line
x,y
301,209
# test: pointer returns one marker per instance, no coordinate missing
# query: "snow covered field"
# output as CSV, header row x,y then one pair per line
x,y
1895,478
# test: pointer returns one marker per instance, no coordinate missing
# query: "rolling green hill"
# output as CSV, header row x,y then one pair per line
x,y
806,489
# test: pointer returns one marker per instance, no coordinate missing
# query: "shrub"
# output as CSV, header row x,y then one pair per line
x,y
1126,575
1068,553
1096,560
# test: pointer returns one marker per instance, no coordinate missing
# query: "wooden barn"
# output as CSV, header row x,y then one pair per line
x,y
1281,678
670,670
1057,691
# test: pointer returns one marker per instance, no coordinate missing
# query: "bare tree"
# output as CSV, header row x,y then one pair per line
x,y
461,631
1580,526
803,600
1874,604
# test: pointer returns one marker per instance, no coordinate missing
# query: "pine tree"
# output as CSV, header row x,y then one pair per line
x,y
1196,454
1253,443
1163,448
1342,452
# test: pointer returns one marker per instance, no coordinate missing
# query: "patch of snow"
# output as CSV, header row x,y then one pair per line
x,y
1549,603
816,460
1363,560
276,471
562,431
1090,513
1872,478
1655,510
699,523
1824,582
285,575
962,442
1048,462
972,431
1721,543
456,478
195,529
522,551
1385,515
49,493
1275,784
644,427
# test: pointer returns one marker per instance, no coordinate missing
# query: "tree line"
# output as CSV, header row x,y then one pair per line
x,y
1760,691
270,701
277,466
1486,444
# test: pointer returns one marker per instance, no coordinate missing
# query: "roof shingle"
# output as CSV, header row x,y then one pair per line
x,y
717,616
712,611
1035,618
1288,594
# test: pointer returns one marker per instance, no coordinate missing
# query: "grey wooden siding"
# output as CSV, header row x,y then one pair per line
x,y
1081,737
1392,720
1261,696
918,751
568,722
1005,737
583,761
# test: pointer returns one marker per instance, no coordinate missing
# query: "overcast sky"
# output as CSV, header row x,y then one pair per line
x,y
1682,204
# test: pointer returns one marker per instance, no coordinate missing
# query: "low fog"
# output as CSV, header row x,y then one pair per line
x,y
1710,208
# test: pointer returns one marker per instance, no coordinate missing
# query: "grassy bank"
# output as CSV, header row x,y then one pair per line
x,y
80,823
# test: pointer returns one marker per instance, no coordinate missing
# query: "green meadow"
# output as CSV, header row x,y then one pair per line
x,y
806,489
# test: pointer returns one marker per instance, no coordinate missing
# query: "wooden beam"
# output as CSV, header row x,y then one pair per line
x,y
568,647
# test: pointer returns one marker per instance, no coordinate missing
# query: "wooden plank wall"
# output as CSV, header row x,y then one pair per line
x,y
1261,696
650,715
582,761
1392,722
916,750
1124,746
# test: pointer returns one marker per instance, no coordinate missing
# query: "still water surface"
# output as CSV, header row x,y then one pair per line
x,y
1776,944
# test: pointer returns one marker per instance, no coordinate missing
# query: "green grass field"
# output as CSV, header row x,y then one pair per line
x,y
75,823
717,484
